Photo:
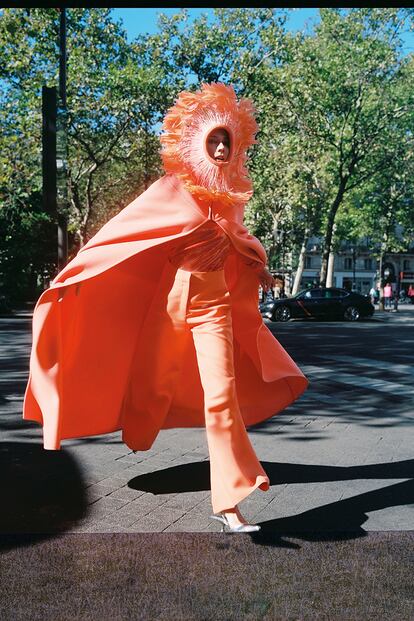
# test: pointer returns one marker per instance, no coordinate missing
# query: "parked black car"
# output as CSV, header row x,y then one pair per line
x,y
320,302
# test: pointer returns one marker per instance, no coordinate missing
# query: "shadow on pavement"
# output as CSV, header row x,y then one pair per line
x,y
337,520
280,473
342,519
191,477
42,493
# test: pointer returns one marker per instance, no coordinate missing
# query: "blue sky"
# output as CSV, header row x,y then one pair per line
x,y
139,21
144,20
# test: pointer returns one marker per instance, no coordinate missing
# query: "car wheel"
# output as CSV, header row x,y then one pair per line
x,y
351,313
282,313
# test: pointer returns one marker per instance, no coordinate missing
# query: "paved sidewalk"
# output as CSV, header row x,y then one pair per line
x,y
340,458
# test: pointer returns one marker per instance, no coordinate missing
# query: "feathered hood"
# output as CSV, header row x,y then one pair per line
x,y
186,127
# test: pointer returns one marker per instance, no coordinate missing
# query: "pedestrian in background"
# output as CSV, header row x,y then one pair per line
x,y
387,295
396,298
410,293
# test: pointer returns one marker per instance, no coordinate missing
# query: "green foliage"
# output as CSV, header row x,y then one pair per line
x,y
335,111
343,94
114,100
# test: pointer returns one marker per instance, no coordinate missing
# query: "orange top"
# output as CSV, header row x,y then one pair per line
x,y
205,250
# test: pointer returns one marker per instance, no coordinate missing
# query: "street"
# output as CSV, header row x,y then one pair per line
x,y
339,459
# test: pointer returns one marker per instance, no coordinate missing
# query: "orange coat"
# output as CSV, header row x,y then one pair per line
x,y
87,325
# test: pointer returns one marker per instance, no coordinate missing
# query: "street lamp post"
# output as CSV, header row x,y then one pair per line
x,y
282,243
61,148
353,268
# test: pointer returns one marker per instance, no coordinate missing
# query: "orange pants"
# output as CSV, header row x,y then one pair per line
x,y
198,306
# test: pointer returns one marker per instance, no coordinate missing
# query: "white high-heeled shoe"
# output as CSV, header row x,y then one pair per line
x,y
242,528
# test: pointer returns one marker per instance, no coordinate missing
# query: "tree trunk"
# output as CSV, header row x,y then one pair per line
x,y
330,274
329,231
301,263
79,233
288,279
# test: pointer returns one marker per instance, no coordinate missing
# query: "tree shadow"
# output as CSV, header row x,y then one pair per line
x,y
366,411
16,423
42,493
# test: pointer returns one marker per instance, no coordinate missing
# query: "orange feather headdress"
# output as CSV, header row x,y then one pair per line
x,y
185,129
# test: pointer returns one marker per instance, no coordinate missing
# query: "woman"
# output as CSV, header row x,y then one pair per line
x,y
410,293
388,295
373,295
155,323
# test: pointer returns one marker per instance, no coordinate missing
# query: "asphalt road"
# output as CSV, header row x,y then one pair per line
x,y
340,458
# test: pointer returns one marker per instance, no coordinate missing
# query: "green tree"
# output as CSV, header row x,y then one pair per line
x,y
115,99
383,210
364,111
341,90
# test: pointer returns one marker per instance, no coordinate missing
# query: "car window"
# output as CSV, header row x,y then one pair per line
x,y
332,293
313,294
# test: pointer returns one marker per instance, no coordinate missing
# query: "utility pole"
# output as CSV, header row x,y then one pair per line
x,y
353,268
62,150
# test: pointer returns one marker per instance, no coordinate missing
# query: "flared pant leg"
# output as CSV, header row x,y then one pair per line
x,y
235,471
196,305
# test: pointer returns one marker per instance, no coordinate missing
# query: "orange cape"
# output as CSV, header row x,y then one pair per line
x,y
87,327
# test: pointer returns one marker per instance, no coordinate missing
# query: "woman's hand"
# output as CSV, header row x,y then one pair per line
x,y
266,280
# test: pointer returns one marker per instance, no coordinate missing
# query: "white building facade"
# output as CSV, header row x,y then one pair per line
x,y
356,268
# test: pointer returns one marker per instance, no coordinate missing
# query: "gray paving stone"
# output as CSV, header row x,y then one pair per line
x,y
187,502
100,526
145,526
131,514
144,505
100,490
110,483
165,516
334,424
104,506
121,520
126,493
189,522
93,496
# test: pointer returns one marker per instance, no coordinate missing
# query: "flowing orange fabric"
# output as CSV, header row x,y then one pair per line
x,y
89,327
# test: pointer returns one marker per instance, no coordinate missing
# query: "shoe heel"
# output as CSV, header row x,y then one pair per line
x,y
222,520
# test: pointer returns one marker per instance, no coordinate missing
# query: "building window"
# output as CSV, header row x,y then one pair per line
x,y
348,263
406,265
308,263
368,264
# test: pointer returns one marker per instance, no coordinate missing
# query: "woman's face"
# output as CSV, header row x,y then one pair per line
x,y
218,144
